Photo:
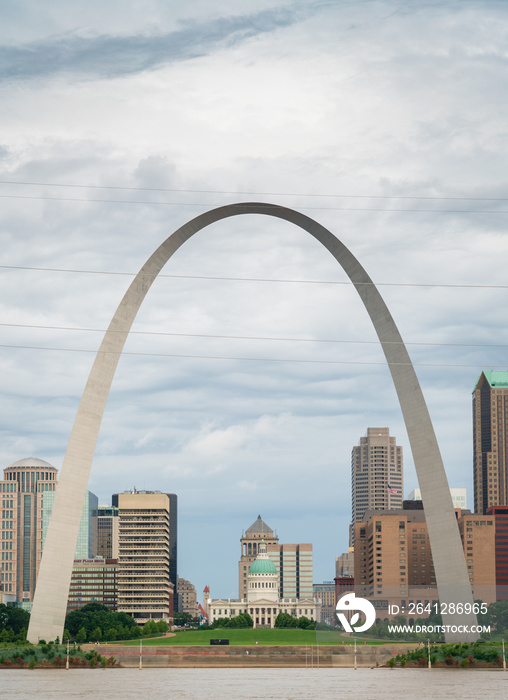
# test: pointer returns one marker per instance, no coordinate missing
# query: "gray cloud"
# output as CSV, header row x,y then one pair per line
x,y
109,56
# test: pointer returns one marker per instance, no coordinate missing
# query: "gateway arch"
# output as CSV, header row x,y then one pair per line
x,y
50,600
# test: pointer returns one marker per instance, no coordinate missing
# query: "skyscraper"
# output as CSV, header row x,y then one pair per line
x,y
27,496
145,588
377,480
107,532
490,441
86,546
26,484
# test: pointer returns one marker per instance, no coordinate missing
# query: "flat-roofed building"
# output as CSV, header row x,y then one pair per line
x,y
325,592
145,589
93,581
294,567
345,563
107,532
187,597
478,534
500,514
393,559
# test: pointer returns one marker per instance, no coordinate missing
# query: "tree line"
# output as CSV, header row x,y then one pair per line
x,y
95,623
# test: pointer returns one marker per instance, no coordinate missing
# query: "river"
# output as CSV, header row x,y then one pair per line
x,y
262,684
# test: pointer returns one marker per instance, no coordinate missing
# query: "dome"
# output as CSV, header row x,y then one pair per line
x,y
262,566
30,462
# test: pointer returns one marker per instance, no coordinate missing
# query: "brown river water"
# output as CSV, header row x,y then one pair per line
x,y
236,683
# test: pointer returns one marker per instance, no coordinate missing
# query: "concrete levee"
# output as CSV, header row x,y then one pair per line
x,y
315,656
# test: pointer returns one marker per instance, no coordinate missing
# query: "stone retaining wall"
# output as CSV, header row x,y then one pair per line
x,y
255,656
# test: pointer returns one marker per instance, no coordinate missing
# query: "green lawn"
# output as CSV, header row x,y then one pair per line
x,y
241,637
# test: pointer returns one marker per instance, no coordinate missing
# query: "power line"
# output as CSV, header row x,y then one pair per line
x,y
250,193
252,337
256,279
202,204
249,359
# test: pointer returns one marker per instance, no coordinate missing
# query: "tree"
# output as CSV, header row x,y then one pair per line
x,y
182,618
75,621
150,628
96,615
220,622
81,636
285,620
498,613
162,627
135,632
305,624
243,620
96,634
16,619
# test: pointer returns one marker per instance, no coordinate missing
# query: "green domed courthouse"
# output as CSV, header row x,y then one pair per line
x,y
263,603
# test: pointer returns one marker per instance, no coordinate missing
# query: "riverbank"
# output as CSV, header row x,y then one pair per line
x,y
311,656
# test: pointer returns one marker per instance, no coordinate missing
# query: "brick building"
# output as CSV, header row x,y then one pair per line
x,y
393,560
500,514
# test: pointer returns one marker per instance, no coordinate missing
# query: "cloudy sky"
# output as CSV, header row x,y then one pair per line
x,y
252,368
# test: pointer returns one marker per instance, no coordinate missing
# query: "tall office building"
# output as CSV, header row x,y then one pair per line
x,y
249,543
145,588
293,563
345,563
377,480
86,545
107,532
490,441
27,484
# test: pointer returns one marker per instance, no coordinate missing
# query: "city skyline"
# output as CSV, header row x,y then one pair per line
x,y
91,542
313,113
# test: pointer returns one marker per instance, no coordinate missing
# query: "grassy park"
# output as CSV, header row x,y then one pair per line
x,y
249,636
